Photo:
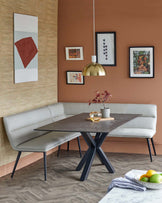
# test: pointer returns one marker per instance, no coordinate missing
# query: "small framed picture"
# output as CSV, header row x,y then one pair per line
x,y
74,78
106,48
141,62
74,53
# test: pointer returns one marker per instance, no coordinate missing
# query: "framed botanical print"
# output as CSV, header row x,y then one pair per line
x,y
106,48
141,62
74,78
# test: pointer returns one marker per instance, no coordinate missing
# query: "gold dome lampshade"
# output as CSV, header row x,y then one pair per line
x,y
94,69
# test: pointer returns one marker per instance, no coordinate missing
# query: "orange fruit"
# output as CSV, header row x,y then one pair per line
x,y
150,173
143,176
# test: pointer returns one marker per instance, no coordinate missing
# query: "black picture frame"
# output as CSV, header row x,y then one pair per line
x,y
141,62
74,78
106,48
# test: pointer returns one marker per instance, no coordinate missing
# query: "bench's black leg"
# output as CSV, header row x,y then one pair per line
x,y
153,146
17,160
45,166
68,143
58,152
79,146
148,143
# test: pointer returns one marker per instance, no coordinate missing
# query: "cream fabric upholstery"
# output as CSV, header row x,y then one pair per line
x,y
20,127
22,135
46,142
141,127
132,132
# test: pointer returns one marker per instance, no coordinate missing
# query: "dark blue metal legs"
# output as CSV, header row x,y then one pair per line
x,y
58,152
148,143
149,148
45,166
82,162
80,151
68,144
88,164
94,147
153,146
17,160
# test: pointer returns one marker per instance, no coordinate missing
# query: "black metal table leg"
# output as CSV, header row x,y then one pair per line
x,y
94,146
102,156
105,160
83,160
88,164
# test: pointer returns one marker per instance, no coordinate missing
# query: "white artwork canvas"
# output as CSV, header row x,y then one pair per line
x,y
25,48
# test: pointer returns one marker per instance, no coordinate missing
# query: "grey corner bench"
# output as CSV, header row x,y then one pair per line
x,y
23,138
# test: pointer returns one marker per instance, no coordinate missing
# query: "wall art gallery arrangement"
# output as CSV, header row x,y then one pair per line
x,y
141,59
25,48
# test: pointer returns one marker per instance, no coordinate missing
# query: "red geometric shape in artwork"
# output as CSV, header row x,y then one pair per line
x,y
27,50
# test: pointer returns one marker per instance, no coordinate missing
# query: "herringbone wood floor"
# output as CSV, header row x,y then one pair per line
x,y
63,185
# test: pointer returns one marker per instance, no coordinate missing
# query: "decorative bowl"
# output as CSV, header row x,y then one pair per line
x,y
153,186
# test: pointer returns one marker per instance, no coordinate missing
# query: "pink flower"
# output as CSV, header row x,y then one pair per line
x,y
101,97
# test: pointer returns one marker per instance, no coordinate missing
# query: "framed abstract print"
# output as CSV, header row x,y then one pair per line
x,y
106,48
141,62
74,53
74,78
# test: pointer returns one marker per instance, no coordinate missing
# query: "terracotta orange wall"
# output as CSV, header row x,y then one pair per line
x,y
136,23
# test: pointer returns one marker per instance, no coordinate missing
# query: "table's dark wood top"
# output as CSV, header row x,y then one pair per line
x,y
78,123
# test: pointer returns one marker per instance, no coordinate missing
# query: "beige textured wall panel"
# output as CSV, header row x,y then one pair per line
x,y
20,97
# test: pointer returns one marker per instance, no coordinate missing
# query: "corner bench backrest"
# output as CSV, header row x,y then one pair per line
x,y
56,109
18,126
147,110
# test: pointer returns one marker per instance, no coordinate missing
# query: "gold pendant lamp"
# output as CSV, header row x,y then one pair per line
x,y
94,69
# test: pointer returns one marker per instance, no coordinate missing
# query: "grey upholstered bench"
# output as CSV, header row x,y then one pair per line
x,y
143,127
23,138
20,127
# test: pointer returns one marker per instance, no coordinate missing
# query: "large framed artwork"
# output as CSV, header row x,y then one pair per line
x,y
25,48
74,53
141,62
74,78
106,48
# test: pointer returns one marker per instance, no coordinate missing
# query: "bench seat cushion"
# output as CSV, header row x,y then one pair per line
x,y
141,122
46,142
132,132
27,132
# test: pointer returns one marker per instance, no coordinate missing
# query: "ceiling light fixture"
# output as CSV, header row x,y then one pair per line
x,y
94,69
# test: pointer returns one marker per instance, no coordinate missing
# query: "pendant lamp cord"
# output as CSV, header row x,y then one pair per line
x,y
94,50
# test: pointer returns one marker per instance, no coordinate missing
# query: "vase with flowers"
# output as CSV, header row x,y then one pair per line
x,y
102,97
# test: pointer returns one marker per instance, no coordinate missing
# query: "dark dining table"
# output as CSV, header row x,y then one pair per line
x,y
79,123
